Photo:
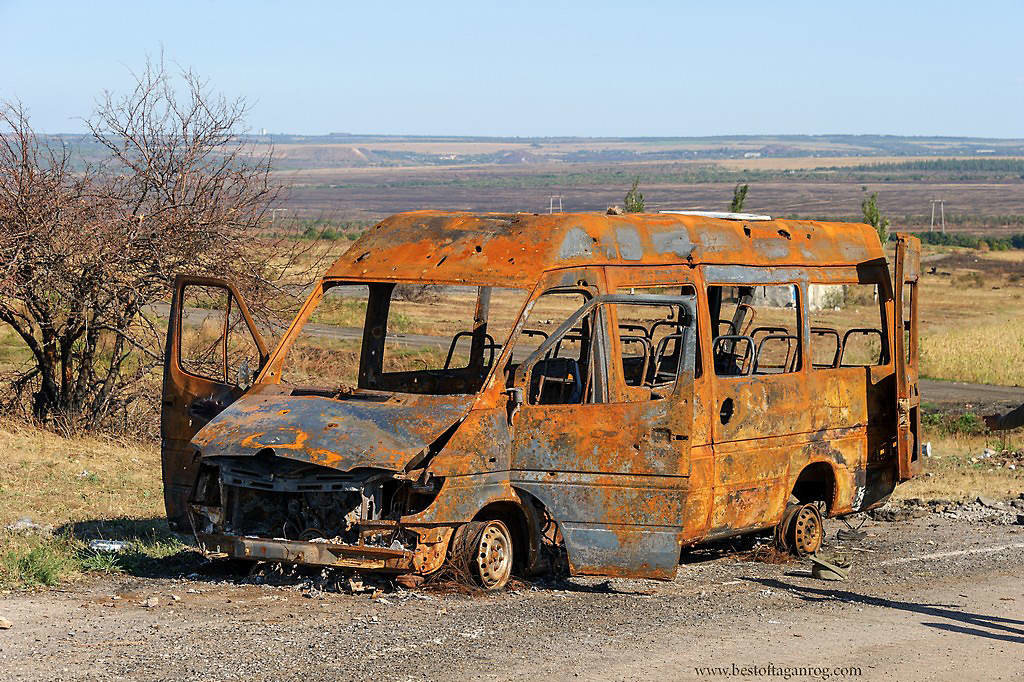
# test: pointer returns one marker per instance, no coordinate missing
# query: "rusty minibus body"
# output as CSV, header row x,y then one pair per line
x,y
706,377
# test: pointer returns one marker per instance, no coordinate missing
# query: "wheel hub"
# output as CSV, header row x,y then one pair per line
x,y
806,534
494,556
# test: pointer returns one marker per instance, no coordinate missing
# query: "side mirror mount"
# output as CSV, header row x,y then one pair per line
x,y
515,401
244,376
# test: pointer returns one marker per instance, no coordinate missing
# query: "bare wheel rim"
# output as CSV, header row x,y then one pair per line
x,y
807,530
494,556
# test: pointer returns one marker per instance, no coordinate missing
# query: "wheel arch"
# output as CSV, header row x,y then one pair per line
x,y
817,482
522,519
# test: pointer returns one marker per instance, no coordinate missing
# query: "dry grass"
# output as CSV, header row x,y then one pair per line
x,y
972,322
83,487
957,469
55,480
977,353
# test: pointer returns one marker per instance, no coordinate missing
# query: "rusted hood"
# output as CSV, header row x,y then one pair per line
x,y
343,434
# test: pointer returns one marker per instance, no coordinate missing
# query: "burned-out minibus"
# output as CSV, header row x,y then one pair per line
x,y
465,387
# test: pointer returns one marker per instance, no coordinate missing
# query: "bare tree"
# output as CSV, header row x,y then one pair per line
x,y
88,249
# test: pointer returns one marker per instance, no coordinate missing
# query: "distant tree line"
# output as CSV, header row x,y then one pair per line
x,y
973,241
957,165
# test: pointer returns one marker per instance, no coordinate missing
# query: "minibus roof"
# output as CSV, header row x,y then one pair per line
x,y
516,249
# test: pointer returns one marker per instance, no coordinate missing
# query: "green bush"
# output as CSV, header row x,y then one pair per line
x,y
972,241
36,562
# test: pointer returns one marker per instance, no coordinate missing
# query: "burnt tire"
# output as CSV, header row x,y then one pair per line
x,y
482,553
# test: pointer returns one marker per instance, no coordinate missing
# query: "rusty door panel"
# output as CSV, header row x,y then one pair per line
x,y
600,438
839,397
697,503
183,396
613,525
908,397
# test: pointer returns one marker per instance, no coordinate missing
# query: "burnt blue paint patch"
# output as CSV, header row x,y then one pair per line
x,y
630,247
772,249
732,274
853,251
601,550
576,244
677,242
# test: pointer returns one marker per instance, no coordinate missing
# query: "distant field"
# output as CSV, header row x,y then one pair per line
x,y
369,177
375,193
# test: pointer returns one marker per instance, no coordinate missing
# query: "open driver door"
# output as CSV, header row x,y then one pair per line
x,y
906,275
213,353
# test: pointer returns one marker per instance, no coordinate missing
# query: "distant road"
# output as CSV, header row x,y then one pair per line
x,y
948,392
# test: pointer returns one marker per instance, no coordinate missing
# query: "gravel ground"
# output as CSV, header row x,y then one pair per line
x,y
930,596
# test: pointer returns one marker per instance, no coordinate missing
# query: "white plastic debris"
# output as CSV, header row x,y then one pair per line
x,y
108,545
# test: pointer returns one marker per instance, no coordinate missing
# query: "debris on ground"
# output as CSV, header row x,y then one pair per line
x,y
112,546
5,624
26,526
982,509
314,582
997,459
838,569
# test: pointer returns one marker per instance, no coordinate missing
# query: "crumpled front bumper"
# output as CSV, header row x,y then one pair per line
x,y
310,553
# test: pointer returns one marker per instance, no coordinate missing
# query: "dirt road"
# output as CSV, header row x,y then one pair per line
x,y
930,598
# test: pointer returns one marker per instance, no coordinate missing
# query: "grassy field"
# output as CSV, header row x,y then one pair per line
x,y
79,489
972,317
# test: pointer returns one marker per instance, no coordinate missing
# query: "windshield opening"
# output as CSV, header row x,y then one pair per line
x,y
407,338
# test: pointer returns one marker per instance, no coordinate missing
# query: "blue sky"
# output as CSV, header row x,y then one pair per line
x,y
542,68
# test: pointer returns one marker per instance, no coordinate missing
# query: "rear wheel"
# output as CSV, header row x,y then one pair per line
x,y
801,530
482,551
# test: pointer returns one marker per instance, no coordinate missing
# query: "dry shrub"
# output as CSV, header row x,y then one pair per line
x,y
88,248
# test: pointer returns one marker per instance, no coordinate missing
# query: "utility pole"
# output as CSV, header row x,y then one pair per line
x,y
551,203
942,215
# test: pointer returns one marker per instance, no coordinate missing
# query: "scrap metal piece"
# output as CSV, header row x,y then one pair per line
x,y
826,570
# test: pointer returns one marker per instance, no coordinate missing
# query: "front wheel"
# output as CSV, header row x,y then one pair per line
x,y
482,551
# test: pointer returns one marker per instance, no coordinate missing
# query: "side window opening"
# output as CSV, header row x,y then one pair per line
x,y
847,326
565,376
653,338
566,373
755,329
215,341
